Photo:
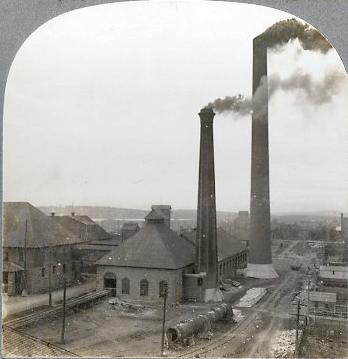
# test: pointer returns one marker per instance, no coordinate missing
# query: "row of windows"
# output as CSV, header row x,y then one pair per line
x,y
230,264
144,287
54,270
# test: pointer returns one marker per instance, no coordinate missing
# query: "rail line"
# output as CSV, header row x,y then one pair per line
x,y
239,327
45,313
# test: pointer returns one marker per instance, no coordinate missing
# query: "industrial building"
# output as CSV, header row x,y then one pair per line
x,y
95,241
232,253
37,251
153,258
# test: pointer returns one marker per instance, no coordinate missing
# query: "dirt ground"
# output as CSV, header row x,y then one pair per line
x,y
102,330
321,347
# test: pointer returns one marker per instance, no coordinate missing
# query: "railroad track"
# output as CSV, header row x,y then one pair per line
x,y
49,312
241,326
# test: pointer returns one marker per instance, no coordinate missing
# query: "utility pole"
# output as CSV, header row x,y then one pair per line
x,y
297,328
164,294
24,291
64,307
64,297
49,285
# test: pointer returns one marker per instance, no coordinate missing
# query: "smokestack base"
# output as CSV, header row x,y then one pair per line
x,y
212,295
261,271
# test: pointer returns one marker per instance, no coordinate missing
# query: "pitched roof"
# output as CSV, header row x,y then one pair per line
x,y
154,215
83,227
227,244
23,345
42,230
154,246
130,225
162,210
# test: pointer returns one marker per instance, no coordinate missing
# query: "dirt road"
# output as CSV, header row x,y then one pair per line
x,y
248,337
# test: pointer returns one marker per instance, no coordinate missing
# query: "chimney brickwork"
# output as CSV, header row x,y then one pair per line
x,y
206,237
260,254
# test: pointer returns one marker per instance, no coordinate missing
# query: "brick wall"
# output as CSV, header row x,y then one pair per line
x,y
174,278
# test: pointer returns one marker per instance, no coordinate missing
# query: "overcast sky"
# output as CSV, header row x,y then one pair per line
x,y
101,109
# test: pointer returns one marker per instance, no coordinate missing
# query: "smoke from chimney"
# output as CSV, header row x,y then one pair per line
x,y
282,32
316,92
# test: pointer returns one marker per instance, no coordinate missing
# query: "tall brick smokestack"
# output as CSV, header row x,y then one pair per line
x,y
260,255
206,237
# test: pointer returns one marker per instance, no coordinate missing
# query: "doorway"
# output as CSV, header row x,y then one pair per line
x,y
110,283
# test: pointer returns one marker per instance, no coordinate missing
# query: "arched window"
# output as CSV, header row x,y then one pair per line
x,y
125,286
144,288
163,288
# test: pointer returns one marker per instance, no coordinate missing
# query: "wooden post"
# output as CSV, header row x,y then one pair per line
x,y
49,285
63,321
165,295
297,328
25,274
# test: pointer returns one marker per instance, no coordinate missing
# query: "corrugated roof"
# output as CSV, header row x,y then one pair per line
x,y
227,244
42,230
83,227
154,246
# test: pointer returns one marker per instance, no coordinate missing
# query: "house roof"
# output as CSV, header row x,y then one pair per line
x,y
154,215
162,210
325,297
42,230
227,244
23,345
154,246
130,225
83,227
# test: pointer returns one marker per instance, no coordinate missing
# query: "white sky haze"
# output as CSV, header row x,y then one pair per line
x,y
101,108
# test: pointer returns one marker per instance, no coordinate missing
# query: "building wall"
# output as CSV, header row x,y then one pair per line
x,y
174,278
39,262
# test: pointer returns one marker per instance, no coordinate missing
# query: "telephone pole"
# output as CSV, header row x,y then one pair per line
x,y
49,286
25,274
297,328
62,338
164,294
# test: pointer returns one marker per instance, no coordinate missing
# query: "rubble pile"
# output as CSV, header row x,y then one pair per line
x,y
284,344
251,297
125,306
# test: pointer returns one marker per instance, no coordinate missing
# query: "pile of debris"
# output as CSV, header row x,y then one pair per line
x,y
284,345
125,306
251,297
227,284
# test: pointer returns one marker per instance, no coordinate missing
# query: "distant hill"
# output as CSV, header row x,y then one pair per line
x,y
127,213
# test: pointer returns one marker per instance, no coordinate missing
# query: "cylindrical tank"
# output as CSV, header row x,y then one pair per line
x,y
200,324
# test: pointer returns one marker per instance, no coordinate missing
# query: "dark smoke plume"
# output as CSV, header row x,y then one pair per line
x,y
315,92
283,31
275,37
